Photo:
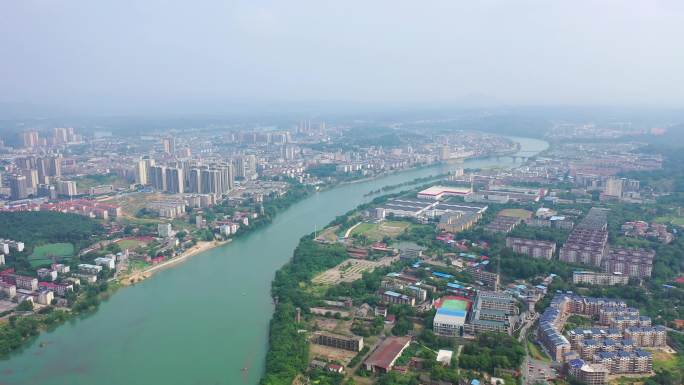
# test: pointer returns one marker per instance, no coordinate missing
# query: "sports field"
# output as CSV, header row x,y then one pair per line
x,y
454,304
44,254
517,213
131,244
377,231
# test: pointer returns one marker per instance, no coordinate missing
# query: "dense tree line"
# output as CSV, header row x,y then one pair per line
x,y
20,329
671,177
309,258
288,350
38,227
323,170
540,233
492,351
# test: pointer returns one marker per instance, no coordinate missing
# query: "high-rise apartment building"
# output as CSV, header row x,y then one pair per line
x,y
18,187
50,166
157,177
169,145
245,167
195,180
30,139
31,178
140,172
614,187
175,181
67,188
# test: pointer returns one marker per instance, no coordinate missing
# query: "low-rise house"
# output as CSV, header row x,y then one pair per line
x,y
338,341
47,274
397,298
27,283
45,297
533,248
89,269
9,289
636,263
88,278
602,279
108,262
60,268
61,288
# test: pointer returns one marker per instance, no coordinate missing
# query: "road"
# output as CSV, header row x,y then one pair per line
x,y
536,371
533,371
526,325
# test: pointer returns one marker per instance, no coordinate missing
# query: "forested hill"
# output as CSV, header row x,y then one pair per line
x,y
36,227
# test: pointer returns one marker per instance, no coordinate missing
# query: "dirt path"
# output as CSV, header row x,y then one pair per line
x,y
346,234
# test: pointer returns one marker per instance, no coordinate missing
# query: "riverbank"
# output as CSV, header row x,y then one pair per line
x,y
215,309
14,336
139,275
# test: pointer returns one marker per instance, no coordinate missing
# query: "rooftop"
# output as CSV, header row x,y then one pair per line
x,y
387,351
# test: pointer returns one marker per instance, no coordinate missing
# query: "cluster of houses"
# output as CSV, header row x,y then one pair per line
x,y
615,346
588,244
86,207
53,283
227,227
532,247
462,310
503,224
641,229
6,245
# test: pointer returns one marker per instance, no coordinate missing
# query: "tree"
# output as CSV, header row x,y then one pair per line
x,y
25,306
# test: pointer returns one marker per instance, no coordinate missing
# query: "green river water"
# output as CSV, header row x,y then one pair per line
x,y
204,320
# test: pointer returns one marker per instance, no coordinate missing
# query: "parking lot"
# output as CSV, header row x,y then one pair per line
x,y
536,371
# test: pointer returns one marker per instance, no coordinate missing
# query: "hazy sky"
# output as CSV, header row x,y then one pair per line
x,y
130,55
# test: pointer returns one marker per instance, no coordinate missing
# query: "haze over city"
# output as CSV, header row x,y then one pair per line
x,y
119,57
341,193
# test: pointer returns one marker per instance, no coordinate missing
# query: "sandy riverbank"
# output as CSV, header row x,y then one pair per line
x,y
140,275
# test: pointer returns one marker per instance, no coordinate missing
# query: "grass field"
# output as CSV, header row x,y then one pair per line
x,y
536,353
130,244
329,234
132,203
518,213
664,360
675,220
86,182
43,254
377,231
135,264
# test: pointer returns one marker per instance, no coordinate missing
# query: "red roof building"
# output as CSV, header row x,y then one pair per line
x,y
335,368
386,354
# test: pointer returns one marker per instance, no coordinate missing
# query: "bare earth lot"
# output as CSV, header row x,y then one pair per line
x,y
350,270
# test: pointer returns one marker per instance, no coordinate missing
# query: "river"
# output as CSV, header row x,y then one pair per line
x,y
204,320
